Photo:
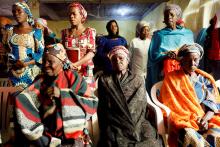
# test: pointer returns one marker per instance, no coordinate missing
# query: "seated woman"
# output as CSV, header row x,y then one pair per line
x,y
54,109
193,98
122,106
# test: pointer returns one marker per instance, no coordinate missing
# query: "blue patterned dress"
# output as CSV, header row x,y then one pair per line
x,y
25,47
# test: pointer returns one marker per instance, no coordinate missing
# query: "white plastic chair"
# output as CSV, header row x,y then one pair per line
x,y
158,113
155,92
218,84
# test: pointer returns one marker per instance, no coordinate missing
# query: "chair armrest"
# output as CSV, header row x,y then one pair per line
x,y
158,116
162,106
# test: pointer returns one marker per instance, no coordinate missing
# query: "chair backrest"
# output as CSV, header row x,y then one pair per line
x,y
5,103
155,92
157,115
218,84
5,82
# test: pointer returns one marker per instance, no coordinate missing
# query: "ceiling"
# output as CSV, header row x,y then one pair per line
x,y
97,9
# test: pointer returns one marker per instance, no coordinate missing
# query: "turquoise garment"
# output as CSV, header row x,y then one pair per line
x,y
162,41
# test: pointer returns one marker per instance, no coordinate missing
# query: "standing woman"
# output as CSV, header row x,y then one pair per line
x,y
164,44
79,42
26,47
106,43
139,48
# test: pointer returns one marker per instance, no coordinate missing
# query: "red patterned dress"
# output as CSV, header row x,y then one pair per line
x,y
77,47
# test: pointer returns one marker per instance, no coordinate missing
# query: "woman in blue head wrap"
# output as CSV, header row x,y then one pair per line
x,y
26,46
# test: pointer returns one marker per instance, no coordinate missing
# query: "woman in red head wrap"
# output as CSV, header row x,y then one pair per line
x,y
79,42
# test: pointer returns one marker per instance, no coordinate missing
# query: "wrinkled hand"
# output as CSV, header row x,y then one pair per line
x,y
203,122
53,92
171,54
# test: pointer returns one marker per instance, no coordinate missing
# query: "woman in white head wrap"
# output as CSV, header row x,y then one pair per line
x,y
139,48
194,100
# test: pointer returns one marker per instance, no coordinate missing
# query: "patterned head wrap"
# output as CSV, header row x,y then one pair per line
x,y
43,22
119,50
27,10
174,7
193,48
58,51
139,26
4,21
82,10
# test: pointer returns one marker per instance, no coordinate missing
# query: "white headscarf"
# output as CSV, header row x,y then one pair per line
x,y
139,26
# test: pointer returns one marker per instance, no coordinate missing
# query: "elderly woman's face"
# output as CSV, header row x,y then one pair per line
x,y
119,62
19,14
75,17
170,18
190,62
51,65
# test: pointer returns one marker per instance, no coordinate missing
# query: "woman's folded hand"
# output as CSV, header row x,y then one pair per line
x,y
203,122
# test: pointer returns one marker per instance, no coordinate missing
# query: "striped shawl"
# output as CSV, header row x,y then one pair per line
x,y
76,105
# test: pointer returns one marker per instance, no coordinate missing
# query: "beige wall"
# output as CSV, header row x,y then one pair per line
x,y
126,28
155,18
196,13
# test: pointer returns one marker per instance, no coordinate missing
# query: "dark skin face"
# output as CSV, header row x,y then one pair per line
x,y
75,17
190,62
145,32
19,14
114,28
52,65
39,26
170,19
119,63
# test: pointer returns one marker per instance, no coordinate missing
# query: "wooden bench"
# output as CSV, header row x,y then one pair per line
x,y
6,108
